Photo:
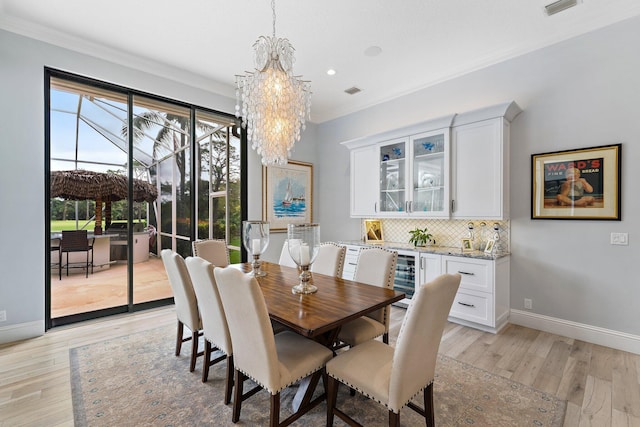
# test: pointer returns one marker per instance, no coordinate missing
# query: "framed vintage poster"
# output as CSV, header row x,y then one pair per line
x,y
287,194
373,231
577,184
467,245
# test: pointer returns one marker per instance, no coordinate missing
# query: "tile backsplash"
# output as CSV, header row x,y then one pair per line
x,y
448,232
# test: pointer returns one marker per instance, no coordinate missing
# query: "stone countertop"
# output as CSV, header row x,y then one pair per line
x,y
439,250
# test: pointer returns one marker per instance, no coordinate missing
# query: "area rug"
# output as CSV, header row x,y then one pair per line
x,y
136,380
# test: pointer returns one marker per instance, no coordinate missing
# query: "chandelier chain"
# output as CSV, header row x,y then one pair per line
x,y
273,9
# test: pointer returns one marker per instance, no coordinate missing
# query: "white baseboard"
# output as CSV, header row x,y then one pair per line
x,y
21,331
593,334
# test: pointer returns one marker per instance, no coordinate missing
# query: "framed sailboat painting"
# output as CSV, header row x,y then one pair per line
x,y
287,196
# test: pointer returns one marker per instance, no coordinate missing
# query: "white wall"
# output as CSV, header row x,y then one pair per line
x,y
580,93
22,163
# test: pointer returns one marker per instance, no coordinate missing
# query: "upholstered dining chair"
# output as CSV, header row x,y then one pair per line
x,y
214,322
376,266
213,250
390,377
75,241
274,362
285,257
186,303
330,259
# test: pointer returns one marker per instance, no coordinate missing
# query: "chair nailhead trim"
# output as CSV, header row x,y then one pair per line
x,y
385,404
284,386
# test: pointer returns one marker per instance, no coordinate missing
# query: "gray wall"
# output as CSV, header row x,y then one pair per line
x,y
580,93
22,177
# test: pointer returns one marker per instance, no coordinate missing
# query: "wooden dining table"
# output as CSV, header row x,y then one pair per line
x,y
320,315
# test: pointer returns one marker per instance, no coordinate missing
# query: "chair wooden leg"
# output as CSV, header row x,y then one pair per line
x,y
385,338
194,350
394,419
274,418
332,393
86,274
428,406
179,338
229,387
206,363
60,265
237,395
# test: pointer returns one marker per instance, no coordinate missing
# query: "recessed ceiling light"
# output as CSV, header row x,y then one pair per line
x,y
331,72
373,51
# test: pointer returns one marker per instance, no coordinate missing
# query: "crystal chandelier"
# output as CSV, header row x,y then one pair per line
x,y
275,103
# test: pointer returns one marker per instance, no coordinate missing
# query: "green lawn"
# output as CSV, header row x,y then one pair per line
x,y
59,225
70,224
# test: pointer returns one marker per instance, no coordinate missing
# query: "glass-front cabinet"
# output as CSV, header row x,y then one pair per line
x,y
414,175
430,174
393,172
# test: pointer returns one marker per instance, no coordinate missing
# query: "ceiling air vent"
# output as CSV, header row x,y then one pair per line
x,y
559,6
353,90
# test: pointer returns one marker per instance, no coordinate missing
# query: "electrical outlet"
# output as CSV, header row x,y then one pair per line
x,y
528,303
620,238
3,315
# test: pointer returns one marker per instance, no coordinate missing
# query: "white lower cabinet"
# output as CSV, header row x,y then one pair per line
x,y
430,267
350,262
482,300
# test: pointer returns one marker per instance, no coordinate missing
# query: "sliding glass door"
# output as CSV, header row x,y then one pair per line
x,y
218,182
88,153
121,167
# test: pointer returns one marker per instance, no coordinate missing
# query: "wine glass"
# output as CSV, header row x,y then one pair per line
x,y
304,242
255,237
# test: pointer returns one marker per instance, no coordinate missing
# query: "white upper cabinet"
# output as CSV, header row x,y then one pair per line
x,y
453,167
364,181
402,173
480,163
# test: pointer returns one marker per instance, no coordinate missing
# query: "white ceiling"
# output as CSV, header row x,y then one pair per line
x,y
205,43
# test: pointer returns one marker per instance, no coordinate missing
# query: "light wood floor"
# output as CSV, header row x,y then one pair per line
x,y
601,385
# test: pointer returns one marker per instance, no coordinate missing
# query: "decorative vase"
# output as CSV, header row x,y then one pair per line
x,y
304,242
255,237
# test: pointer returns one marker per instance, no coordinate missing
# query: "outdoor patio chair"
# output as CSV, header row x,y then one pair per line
x,y
75,241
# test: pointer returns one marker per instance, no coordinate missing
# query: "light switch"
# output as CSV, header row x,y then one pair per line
x,y
619,238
